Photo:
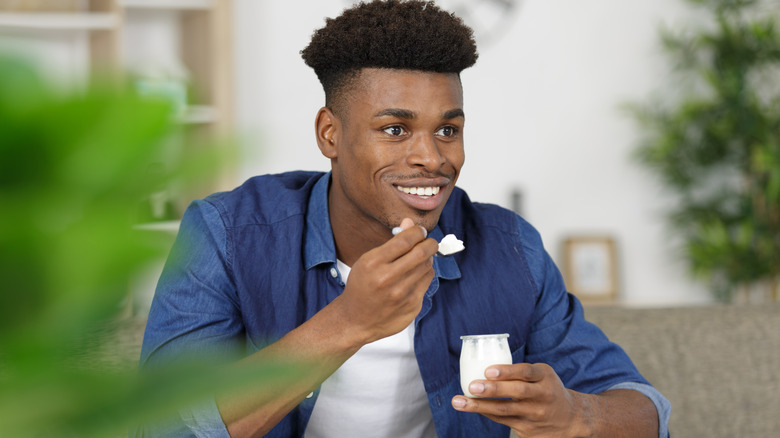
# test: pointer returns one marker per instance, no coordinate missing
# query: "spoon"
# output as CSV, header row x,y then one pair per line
x,y
449,245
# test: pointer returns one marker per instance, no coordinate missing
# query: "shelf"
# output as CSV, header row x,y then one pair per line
x,y
58,20
166,226
167,4
198,114
111,37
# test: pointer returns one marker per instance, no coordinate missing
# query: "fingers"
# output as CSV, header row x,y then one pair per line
x,y
516,390
406,223
520,381
408,233
401,266
409,239
526,401
510,381
487,407
521,371
387,284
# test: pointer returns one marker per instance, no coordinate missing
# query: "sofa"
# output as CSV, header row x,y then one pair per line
x,y
719,365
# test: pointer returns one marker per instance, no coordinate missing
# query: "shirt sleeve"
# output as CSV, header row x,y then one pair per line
x,y
662,405
204,420
578,351
195,312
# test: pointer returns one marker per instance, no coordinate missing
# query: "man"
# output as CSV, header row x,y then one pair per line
x,y
305,266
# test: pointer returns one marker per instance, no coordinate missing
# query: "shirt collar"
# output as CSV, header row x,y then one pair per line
x,y
319,246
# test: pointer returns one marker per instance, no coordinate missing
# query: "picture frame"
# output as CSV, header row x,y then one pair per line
x,y
590,268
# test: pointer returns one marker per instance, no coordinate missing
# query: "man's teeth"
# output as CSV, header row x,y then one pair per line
x,y
422,191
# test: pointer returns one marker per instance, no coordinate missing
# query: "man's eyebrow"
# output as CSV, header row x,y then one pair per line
x,y
397,112
453,113
410,115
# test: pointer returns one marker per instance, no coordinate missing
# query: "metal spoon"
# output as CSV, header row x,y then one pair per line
x,y
397,230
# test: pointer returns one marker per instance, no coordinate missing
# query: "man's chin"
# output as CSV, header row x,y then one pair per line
x,y
427,219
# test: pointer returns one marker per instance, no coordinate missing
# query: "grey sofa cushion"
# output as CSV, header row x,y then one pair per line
x,y
718,365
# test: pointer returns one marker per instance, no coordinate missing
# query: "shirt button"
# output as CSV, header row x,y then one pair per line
x,y
334,273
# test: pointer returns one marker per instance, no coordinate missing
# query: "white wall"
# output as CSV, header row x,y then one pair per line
x,y
543,117
542,109
547,121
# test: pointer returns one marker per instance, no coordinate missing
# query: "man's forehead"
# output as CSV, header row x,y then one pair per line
x,y
383,87
372,75
369,91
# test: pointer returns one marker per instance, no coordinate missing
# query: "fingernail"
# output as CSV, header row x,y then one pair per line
x,y
397,230
425,232
476,388
491,372
458,403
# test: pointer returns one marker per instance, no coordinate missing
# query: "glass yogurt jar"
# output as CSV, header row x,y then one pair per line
x,y
478,353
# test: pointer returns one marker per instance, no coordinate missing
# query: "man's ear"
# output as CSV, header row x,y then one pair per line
x,y
328,128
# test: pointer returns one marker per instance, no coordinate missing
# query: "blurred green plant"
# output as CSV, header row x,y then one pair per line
x,y
717,144
72,171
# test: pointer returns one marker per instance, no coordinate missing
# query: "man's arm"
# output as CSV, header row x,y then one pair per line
x,y
564,347
196,314
382,297
532,400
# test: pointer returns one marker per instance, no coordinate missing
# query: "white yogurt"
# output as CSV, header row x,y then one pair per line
x,y
480,352
450,245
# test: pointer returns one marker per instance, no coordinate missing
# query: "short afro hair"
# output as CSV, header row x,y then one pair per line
x,y
395,34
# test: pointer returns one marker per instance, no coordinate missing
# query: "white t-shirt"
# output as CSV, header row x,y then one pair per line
x,y
378,392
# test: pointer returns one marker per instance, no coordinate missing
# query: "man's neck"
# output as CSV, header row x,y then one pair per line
x,y
354,238
353,241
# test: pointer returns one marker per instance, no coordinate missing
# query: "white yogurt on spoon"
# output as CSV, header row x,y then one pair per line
x,y
449,244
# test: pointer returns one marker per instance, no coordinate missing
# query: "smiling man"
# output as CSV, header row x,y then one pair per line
x,y
396,151
304,266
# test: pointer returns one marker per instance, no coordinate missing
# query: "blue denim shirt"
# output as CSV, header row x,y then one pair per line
x,y
250,265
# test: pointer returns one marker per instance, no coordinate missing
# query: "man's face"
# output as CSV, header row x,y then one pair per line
x,y
399,150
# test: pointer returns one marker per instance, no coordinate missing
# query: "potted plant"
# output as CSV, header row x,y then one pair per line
x,y
715,144
72,170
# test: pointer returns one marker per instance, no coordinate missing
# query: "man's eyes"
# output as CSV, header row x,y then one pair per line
x,y
395,130
447,131
444,131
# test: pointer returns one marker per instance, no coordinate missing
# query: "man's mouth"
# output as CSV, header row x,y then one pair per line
x,y
420,191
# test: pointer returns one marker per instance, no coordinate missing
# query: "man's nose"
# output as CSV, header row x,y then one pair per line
x,y
425,153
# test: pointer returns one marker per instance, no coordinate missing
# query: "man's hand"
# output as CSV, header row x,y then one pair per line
x,y
531,399
387,284
382,297
538,404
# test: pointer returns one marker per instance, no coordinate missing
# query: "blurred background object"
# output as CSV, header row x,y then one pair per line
x,y
39,5
177,51
716,146
97,162
73,169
